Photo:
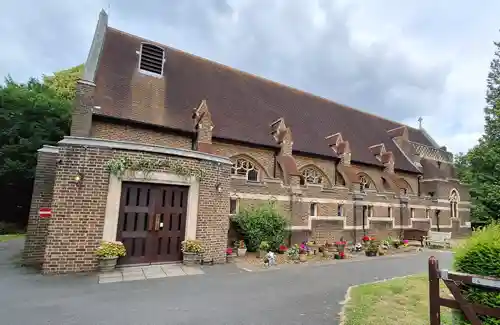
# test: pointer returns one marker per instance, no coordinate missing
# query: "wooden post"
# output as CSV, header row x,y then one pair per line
x,y
434,306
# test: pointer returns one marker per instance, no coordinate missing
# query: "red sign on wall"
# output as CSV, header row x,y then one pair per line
x,y
45,212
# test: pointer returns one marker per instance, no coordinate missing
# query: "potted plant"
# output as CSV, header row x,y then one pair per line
x,y
341,244
365,239
372,248
282,249
293,253
191,250
329,247
108,254
229,255
263,249
303,249
242,249
396,243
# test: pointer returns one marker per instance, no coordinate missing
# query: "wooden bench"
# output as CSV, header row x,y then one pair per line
x,y
436,238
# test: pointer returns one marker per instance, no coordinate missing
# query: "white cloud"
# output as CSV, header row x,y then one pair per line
x,y
398,59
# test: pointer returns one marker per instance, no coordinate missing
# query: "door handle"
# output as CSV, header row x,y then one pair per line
x,y
157,222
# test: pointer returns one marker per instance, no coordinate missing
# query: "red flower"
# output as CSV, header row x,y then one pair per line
x,y
282,248
342,255
229,251
366,238
341,243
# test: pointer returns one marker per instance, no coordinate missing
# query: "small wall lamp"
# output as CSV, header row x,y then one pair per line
x,y
218,187
78,178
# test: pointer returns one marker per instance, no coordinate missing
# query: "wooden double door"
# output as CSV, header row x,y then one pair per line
x,y
152,222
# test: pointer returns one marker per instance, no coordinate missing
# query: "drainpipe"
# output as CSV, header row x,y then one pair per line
x,y
401,221
364,216
437,219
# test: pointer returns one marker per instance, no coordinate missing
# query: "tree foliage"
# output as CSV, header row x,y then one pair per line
x,y
31,115
63,82
480,167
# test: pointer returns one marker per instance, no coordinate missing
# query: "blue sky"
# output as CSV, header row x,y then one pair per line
x,y
397,59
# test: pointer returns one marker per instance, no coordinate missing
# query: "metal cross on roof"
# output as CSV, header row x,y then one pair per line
x,y
420,119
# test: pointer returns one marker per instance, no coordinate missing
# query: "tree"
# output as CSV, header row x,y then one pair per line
x,y
31,115
63,82
480,167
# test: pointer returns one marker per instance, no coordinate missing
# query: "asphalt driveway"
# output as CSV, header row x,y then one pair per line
x,y
223,295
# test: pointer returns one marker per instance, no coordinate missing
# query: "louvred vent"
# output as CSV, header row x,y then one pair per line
x,y
151,59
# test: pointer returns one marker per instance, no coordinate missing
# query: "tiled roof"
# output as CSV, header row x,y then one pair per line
x,y
242,105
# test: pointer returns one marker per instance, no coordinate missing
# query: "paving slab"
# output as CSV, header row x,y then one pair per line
x,y
173,270
192,270
113,274
133,275
155,272
110,279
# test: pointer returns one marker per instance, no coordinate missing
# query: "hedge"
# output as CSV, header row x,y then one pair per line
x,y
480,255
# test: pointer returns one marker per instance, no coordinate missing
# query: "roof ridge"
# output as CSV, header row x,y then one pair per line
x,y
303,92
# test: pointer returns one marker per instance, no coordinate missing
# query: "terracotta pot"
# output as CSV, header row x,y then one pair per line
x,y
107,264
302,257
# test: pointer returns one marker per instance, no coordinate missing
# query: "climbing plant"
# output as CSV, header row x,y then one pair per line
x,y
118,166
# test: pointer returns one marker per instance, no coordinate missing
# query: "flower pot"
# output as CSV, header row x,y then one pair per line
x,y
242,252
302,257
261,254
331,249
189,258
107,264
327,253
230,258
370,253
341,248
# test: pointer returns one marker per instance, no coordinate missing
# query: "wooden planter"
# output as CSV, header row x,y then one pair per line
x,y
189,258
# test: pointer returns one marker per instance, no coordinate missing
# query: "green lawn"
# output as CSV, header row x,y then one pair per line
x,y
4,238
400,302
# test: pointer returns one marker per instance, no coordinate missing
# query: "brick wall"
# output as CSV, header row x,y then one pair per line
x,y
81,120
121,132
76,227
43,186
270,184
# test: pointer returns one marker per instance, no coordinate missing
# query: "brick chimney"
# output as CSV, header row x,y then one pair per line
x,y
283,137
340,147
203,127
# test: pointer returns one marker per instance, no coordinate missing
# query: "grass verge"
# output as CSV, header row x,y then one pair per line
x,y
402,301
4,238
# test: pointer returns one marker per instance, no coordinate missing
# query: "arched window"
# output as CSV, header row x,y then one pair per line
x,y
243,167
311,176
365,183
454,199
